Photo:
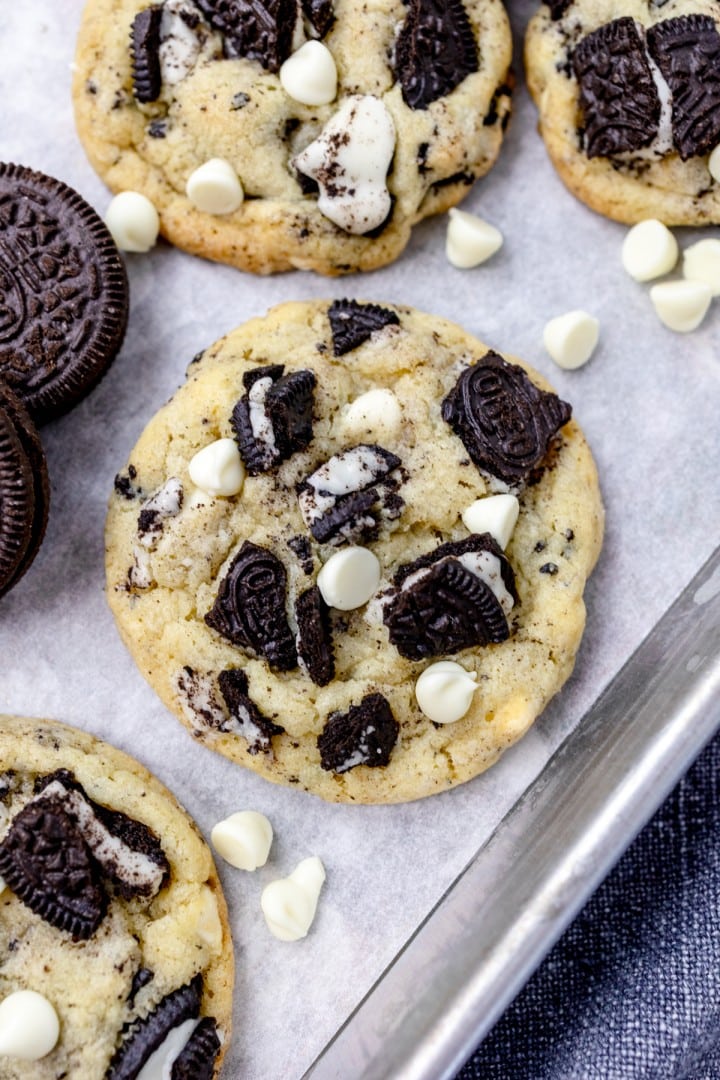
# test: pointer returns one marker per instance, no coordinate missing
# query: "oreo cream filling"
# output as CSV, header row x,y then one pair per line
x,y
159,1065
179,40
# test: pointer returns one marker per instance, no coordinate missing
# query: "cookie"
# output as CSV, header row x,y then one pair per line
x,y
341,123
629,102
286,623
24,490
110,908
63,292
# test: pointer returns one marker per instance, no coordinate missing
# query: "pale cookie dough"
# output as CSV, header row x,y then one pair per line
x,y
207,81
217,598
630,115
136,944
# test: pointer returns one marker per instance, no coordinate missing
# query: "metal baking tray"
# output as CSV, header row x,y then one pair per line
x,y
476,949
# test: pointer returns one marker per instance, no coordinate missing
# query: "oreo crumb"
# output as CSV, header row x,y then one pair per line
x,y
352,323
435,50
364,735
549,568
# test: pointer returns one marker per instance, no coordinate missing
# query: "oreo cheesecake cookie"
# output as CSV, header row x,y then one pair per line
x,y
63,292
284,135
24,489
629,101
350,552
115,954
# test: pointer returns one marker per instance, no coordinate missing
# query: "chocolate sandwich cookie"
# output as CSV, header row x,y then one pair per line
x,y
111,916
24,490
279,135
354,614
629,101
63,292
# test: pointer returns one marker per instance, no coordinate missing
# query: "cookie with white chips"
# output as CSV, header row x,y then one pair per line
x,y
287,623
115,952
280,134
629,102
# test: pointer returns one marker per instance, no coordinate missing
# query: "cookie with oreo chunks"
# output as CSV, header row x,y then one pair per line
x,y
629,103
110,907
24,489
63,292
162,88
287,625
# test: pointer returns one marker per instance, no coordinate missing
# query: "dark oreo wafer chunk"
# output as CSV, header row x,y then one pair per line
x,y
435,50
249,722
619,100
364,735
145,52
24,490
315,645
352,323
687,51
281,407
249,609
63,292
196,1060
320,15
505,422
259,30
558,8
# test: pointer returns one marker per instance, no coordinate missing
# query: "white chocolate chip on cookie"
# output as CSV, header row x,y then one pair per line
x,y
349,578
29,1026
444,691
649,250
215,188
376,411
714,164
217,469
309,75
495,514
470,241
289,904
570,339
681,305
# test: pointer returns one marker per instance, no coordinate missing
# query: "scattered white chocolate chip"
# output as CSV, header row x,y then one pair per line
x,y
243,839
495,514
444,691
649,250
218,469
376,412
349,578
309,75
470,240
349,160
571,338
29,1026
714,163
209,926
289,904
215,187
701,262
681,305
133,221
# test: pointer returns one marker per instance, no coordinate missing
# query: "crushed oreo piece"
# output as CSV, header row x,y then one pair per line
x,y
164,503
249,722
352,323
249,609
619,99
314,640
687,51
145,52
558,8
273,419
549,568
364,735
320,15
435,50
259,30
505,422
124,483
196,1060
145,1035
347,498
197,694
157,129
301,547
46,862
455,597
141,978
239,101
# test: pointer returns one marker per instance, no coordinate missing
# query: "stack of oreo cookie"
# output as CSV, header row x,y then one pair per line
x,y
63,313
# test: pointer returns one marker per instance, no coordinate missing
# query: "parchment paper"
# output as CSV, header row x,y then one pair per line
x,y
648,401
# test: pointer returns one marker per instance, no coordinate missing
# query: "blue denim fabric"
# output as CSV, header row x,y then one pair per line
x,y
632,989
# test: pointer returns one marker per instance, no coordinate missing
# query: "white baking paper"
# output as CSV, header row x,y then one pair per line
x,y
648,400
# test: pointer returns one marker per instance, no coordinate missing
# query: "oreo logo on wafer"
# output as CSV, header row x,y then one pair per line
x,y
63,292
24,490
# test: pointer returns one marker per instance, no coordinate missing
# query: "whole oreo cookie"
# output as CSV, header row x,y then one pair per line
x,y
24,490
63,292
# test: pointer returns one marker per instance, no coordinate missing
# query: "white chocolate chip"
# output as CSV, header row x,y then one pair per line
x,y
701,262
309,75
444,691
133,221
3,886
681,305
215,187
349,160
495,514
714,164
571,338
470,240
376,412
349,578
289,904
243,839
209,926
29,1026
217,469
649,250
